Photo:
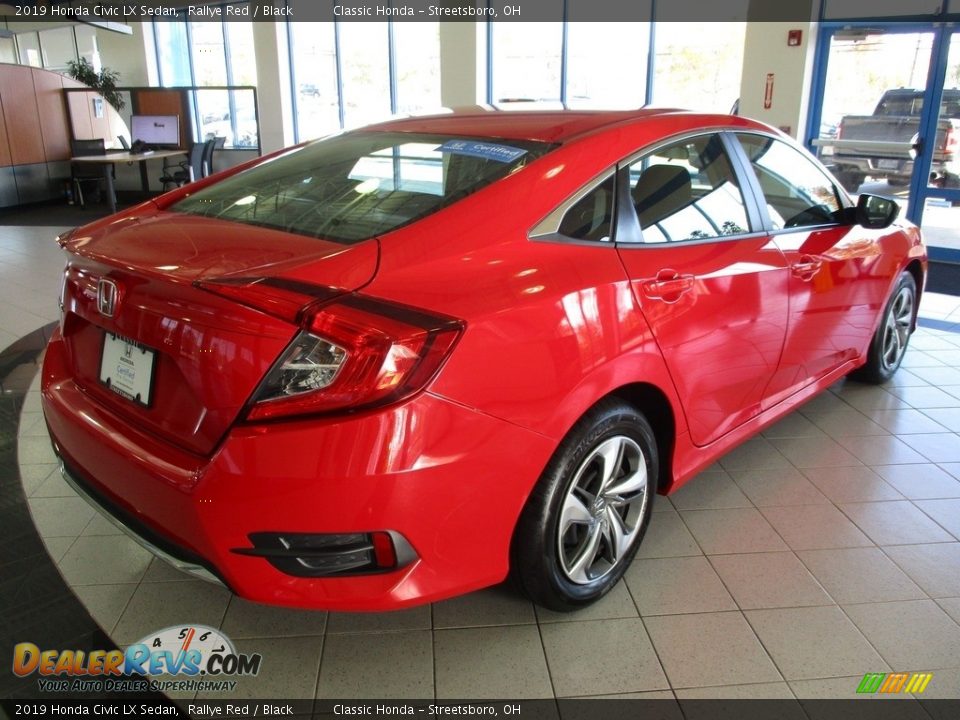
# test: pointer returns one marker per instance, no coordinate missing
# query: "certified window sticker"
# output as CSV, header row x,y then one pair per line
x,y
485,150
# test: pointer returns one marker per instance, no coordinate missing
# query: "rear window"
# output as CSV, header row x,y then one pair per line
x,y
358,185
911,104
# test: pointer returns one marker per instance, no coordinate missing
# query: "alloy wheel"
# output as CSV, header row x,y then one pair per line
x,y
896,330
603,510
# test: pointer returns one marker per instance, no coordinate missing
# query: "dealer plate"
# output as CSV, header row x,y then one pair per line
x,y
126,367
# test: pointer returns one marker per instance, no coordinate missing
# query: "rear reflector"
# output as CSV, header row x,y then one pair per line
x,y
325,555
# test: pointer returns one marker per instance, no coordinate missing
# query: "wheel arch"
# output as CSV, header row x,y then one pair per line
x,y
915,268
655,406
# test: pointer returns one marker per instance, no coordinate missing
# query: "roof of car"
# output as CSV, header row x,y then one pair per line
x,y
541,125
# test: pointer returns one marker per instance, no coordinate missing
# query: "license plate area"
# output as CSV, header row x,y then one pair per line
x,y
126,368
888,164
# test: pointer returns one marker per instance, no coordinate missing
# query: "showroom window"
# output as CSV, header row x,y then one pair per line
x,y
696,67
527,59
557,62
570,63
349,74
52,48
219,55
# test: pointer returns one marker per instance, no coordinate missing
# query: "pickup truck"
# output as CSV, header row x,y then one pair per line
x,y
882,145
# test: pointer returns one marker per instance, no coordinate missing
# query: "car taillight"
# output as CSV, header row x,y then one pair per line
x,y
355,352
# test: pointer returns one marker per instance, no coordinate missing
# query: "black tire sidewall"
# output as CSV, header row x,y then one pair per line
x,y
535,556
875,370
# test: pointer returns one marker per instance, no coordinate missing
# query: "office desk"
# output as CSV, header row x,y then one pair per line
x,y
116,158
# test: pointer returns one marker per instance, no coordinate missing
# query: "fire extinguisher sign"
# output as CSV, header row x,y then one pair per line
x,y
768,93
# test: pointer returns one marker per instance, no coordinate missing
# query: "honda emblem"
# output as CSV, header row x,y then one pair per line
x,y
107,295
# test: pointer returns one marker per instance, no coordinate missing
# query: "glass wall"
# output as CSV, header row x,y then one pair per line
x,y
527,60
590,80
212,54
313,66
696,67
382,69
606,65
417,66
365,72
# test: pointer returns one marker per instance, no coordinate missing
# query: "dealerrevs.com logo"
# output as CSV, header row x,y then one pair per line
x,y
197,656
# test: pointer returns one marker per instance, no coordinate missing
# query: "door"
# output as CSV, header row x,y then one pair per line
x,y
885,119
712,288
938,187
838,277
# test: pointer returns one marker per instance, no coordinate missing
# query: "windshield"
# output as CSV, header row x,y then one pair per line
x,y
358,185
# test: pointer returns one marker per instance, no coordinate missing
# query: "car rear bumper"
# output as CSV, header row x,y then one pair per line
x,y
450,480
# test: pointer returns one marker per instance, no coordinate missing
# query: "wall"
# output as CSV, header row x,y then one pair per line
x,y
126,54
34,134
766,52
463,65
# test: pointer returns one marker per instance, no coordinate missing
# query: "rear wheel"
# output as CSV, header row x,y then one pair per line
x,y
587,515
889,343
850,179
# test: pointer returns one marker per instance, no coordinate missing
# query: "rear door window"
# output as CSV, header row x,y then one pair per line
x,y
687,191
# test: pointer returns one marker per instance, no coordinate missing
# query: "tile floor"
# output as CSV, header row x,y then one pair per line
x,y
825,548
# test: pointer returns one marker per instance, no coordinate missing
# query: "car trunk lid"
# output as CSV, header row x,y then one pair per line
x,y
209,351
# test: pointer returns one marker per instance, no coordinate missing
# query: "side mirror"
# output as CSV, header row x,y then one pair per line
x,y
876,212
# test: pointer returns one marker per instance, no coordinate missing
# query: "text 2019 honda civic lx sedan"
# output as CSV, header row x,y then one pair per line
x,y
397,364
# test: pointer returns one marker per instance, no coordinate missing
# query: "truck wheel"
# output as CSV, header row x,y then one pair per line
x,y
952,181
850,180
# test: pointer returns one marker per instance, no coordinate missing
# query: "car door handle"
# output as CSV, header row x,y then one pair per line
x,y
806,268
668,286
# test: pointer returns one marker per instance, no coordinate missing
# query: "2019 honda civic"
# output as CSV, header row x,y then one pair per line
x,y
399,363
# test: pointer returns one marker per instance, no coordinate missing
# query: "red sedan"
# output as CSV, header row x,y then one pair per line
x,y
397,364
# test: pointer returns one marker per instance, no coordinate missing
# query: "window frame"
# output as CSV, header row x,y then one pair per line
x,y
548,229
749,200
760,199
626,232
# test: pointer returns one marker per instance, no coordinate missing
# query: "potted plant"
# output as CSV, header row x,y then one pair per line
x,y
104,82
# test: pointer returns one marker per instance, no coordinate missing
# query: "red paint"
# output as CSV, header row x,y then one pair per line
x,y
733,334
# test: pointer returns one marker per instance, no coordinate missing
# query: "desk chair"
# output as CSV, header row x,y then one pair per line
x,y
189,170
208,148
88,175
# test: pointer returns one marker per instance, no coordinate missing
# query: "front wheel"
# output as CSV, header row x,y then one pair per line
x,y
585,519
889,343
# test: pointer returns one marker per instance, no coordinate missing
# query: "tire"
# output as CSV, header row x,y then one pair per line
x,y
952,181
889,343
850,180
575,538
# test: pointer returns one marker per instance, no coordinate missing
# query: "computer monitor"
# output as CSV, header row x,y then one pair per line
x,y
156,129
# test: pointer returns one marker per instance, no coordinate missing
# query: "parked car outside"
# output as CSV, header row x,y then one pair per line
x,y
883,145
